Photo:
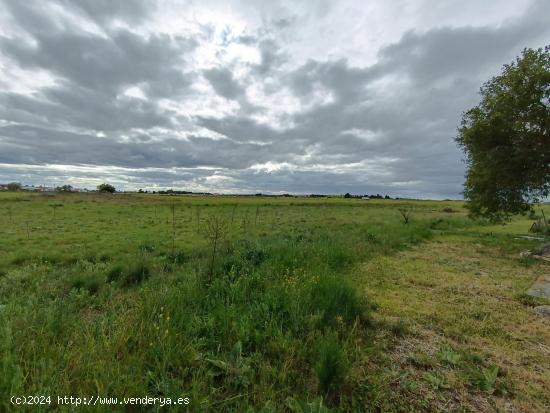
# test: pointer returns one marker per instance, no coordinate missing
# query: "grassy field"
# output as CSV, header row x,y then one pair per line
x,y
264,304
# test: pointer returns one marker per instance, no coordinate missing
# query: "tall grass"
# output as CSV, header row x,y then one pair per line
x,y
278,319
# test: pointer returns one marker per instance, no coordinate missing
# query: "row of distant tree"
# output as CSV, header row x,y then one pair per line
x,y
16,186
377,196
108,188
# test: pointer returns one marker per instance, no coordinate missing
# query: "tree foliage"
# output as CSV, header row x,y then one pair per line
x,y
106,188
506,139
14,186
64,188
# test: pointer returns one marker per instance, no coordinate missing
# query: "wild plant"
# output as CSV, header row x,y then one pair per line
x,y
405,214
198,216
485,379
9,208
216,231
449,357
331,366
173,208
436,381
257,216
54,207
233,210
244,224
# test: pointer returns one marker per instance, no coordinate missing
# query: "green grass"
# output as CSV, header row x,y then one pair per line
x,y
118,297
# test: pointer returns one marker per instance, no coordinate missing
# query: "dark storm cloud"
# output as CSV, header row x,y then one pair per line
x,y
79,107
106,64
386,127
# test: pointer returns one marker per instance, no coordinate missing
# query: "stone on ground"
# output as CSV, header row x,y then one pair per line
x,y
541,287
543,310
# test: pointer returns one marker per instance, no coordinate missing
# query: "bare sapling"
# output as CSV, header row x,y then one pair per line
x,y
405,214
233,210
216,231
244,224
54,207
173,208
10,213
198,212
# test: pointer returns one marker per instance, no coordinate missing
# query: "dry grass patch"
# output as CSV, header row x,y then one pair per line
x,y
473,344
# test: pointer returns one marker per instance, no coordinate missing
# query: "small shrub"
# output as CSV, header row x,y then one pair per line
x,y
90,283
405,214
255,256
336,301
115,272
232,264
137,272
331,366
372,238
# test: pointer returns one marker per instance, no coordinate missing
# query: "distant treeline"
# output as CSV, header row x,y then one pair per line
x,y
377,196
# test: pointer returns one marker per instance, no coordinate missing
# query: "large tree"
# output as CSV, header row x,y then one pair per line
x,y
506,139
106,188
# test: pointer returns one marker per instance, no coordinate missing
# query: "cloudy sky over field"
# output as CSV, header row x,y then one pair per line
x,y
250,96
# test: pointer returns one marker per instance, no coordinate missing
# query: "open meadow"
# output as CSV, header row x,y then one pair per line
x,y
268,304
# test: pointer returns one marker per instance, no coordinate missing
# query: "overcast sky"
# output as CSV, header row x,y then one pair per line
x,y
250,96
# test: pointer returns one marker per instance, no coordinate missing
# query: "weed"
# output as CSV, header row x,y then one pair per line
x,y
177,257
331,365
422,360
136,273
405,214
20,259
9,210
147,247
447,356
436,381
115,273
216,230
87,282
300,406
485,379
235,369
399,328
335,301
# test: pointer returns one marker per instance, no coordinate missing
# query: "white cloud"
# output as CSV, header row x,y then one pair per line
x,y
279,96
